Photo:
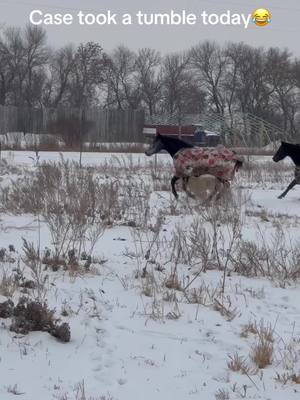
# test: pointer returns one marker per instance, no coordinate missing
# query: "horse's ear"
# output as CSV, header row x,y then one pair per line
x,y
158,135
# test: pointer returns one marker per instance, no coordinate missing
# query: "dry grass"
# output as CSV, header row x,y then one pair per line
x,y
80,393
8,284
13,389
285,378
173,282
277,259
263,331
149,286
33,262
225,309
239,363
262,353
204,294
255,174
222,394
75,205
156,310
169,296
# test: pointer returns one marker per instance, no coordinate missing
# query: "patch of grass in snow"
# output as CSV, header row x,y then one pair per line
x,y
80,393
240,364
262,353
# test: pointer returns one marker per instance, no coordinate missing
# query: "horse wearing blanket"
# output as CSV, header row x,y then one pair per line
x,y
196,161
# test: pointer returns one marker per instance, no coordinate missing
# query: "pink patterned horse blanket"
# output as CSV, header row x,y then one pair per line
x,y
219,162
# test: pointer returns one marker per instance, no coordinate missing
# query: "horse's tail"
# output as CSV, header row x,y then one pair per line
x,y
239,161
238,164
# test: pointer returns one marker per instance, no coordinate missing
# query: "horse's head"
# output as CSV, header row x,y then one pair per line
x,y
156,146
281,153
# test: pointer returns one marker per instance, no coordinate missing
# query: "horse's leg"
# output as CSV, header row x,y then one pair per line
x,y
223,189
291,185
216,193
173,182
185,181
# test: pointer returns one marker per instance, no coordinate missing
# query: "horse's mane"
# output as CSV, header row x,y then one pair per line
x,y
175,141
292,150
292,145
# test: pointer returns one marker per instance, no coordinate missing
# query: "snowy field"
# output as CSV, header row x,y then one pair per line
x,y
165,299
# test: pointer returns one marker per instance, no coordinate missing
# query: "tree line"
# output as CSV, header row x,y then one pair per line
x,y
208,77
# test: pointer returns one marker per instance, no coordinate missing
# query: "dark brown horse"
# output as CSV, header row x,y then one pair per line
x,y
292,151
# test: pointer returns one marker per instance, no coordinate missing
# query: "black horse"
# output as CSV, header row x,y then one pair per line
x,y
172,146
176,146
292,151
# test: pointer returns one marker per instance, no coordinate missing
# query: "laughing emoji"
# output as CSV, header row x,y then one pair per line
x,y
261,17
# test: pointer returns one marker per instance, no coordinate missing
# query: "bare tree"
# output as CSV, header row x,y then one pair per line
x,y
58,83
123,90
174,82
149,77
253,95
280,74
11,58
35,59
209,63
86,75
228,80
231,78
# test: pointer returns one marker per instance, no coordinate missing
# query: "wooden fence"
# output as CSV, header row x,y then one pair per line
x,y
96,125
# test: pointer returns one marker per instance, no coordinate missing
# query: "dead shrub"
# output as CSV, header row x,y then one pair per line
x,y
33,261
30,315
74,204
193,247
8,284
6,309
135,203
278,259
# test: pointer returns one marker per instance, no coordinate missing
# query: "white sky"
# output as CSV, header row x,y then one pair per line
x,y
282,32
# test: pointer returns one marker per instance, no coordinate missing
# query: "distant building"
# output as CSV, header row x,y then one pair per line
x,y
190,133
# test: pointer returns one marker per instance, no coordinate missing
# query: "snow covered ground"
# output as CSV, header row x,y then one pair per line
x,y
148,320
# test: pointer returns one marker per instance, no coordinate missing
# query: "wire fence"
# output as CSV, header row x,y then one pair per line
x,y
97,126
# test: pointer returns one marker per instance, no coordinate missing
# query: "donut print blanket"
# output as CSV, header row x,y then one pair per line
x,y
220,162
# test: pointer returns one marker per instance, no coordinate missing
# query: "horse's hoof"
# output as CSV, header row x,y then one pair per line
x,y
280,197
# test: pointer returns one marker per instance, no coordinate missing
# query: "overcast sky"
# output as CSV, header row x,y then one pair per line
x,y
284,31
